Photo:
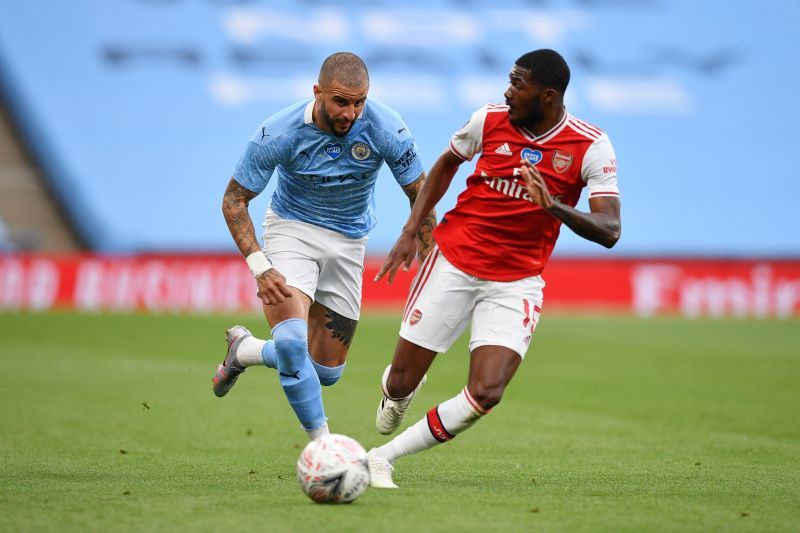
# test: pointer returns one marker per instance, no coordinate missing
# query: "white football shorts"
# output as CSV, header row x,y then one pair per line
x,y
324,264
443,299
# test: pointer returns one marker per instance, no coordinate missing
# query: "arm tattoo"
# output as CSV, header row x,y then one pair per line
x,y
425,233
234,208
342,328
425,240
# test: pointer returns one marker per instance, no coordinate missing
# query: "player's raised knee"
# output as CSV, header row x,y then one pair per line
x,y
291,345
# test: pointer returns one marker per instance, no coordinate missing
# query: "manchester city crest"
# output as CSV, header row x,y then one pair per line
x,y
360,151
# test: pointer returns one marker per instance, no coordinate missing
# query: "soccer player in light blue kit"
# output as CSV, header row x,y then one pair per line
x,y
325,154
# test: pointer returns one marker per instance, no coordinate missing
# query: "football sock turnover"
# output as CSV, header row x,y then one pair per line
x,y
439,425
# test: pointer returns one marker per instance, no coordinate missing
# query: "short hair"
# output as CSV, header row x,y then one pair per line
x,y
547,68
346,68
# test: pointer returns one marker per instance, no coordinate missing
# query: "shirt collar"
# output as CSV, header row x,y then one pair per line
x,y
549,134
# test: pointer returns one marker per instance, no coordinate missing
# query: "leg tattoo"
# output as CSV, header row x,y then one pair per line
x,y
342,328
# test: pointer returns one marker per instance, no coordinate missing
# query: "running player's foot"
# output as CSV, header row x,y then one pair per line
x,y
228,371
380,471
392,412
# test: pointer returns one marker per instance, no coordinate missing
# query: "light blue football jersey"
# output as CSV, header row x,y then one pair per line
x,y
323,179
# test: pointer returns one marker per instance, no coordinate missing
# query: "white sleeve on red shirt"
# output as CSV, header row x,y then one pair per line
x,y
599,169
468,141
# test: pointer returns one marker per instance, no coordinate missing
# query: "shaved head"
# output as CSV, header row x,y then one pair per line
x,y
345,68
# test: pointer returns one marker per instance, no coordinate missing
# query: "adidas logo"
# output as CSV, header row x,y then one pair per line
x,y
503,149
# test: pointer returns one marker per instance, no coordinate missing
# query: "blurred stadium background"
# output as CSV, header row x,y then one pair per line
x,y
123,119
654,400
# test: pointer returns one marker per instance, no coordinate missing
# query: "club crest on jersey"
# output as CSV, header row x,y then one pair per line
x,y
534,156
360,151
416,316
561,161
334,150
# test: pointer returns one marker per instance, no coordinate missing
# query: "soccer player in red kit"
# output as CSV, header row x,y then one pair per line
x,y
535,159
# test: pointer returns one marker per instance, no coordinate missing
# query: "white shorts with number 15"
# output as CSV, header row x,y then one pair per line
x,y
443,299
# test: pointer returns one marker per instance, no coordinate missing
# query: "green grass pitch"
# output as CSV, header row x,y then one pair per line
x,y
611,424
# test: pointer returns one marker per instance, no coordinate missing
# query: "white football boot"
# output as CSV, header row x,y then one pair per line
x,y
229,370
380,471
392,412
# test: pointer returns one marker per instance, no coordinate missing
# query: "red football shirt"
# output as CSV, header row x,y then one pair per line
x,y
495,231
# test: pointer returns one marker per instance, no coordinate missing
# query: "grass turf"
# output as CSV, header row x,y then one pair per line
x,y
615,424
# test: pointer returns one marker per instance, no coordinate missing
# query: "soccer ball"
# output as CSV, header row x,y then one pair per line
x,y
333,469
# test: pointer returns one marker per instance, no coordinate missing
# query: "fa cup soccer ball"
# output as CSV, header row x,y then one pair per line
x,y
333,469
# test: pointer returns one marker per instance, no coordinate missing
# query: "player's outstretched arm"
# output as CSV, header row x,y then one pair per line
x,y
602,225
272,287
432,190
425,231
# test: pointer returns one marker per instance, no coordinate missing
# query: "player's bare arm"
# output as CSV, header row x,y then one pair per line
x,y
602,225
425,231
234,208
272,287
432,190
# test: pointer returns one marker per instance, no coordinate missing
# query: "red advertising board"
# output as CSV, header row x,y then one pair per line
x,y
222,283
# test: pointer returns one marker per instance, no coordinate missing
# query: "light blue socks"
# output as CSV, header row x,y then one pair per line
x,y
268,354
297,374
327,375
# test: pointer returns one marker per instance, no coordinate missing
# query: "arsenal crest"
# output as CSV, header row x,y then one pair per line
x,y
561,161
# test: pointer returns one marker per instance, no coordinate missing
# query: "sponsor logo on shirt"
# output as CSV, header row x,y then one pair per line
x,y
318,181
534,156
561,161
611,168
406,159
503,149
513,187
334,150
360,151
